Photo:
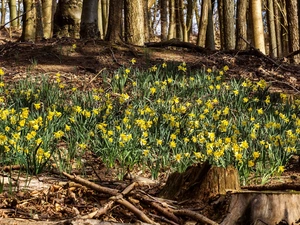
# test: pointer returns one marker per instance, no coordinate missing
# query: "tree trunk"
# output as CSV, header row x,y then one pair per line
x,y
258,29
271,28
114,29
178,27
189,20
105,9
241,24
67,18
13,13
29,21
203,24
229,24
146,20
47,7
134,22
210,33
277,17
89,19
221,23
164,19
172,25
3,12
293,29
39,21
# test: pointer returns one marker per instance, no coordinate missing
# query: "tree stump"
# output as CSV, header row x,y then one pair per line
x,y
202,182
260,208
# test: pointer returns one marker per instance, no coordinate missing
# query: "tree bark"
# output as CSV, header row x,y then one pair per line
x,y
67,18
271,28
241,31
178,27
210,33
114,30
293,29
258,29
203,23
229,25
277,16
172,24
47,7
221,23
89,19
3,12
134,22
29,21
164,19
13,13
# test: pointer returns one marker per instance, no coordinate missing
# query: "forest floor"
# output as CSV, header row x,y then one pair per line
x,y
82,67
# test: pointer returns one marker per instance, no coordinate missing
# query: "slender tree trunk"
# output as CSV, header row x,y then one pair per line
x,y
105,9
284,27
114,30
292,18
47,6
221,23
229,24
271,27
178,20
39,21
164,19
258,29
100,20
241,31
89,19
172,23
189,20
277,16
203,23
134,22
210,33
3,12
29,21
13,13
146,20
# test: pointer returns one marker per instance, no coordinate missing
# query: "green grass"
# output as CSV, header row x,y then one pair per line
x,y
163,118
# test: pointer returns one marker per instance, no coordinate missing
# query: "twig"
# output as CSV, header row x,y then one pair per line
x,y
114,58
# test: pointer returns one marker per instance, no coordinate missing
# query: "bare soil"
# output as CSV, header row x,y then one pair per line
x,y
52,197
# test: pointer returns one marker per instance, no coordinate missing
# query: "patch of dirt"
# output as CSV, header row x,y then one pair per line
x,y
53,197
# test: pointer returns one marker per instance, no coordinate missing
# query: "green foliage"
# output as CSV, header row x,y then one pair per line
x,y
166,117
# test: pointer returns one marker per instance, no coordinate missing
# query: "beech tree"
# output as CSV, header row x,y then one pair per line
x,y
89,19
13,13
29,21
293,29
134,22
241,25
258,29
114,29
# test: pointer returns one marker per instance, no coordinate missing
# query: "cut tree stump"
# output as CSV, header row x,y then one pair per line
x,y
201,182
260,208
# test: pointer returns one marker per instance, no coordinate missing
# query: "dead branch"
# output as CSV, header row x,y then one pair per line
x,y
177,43
91,185
259,53
292,54
194,215
116,196
274,187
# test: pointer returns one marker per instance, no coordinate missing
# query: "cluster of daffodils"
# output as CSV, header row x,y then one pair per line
x,y
166,117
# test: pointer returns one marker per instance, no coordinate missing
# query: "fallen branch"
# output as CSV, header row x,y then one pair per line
x,y
177,43
116,196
